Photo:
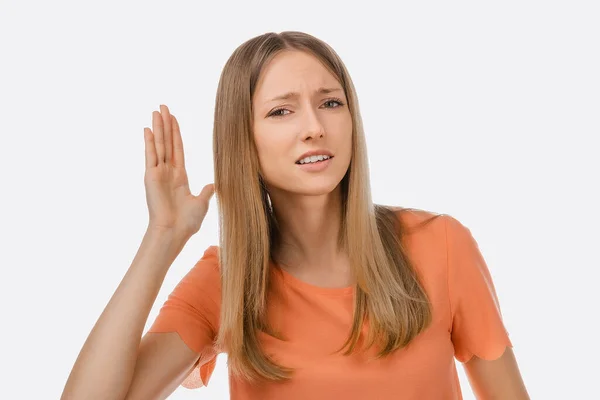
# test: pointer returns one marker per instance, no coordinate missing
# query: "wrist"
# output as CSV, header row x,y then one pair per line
x,y
168,234
167,241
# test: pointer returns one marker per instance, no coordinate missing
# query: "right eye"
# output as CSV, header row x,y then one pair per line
x,y
278,112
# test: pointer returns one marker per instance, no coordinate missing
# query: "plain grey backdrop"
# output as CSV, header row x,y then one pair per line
x,y
485,111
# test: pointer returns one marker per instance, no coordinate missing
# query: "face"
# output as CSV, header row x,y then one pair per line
x,y
300,108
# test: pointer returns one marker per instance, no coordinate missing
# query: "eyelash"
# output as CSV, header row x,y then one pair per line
x,y
273,113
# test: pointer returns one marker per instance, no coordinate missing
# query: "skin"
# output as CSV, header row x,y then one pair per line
x,y
496,379
307,204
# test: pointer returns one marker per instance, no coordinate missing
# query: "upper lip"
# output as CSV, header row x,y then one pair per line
x,y
321,152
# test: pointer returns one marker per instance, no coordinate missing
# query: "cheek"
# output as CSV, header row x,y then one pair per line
x,y
340,135
274,150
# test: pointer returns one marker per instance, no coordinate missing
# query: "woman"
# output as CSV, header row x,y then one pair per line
x,y
314,291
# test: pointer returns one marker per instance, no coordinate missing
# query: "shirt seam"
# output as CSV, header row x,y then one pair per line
x,y
448,274
306,290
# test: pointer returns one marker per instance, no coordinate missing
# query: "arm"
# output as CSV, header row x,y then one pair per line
x,y
163,362
478,333
108,362
497,379
114,357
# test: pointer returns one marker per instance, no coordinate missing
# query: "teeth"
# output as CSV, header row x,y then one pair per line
x,y
313,159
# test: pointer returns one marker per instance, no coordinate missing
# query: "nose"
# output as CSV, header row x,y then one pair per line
x,y
312,127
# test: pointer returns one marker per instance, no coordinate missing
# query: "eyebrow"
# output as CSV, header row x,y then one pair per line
x,y
289,95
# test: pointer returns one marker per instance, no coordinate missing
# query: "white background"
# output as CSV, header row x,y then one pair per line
x,y
487,112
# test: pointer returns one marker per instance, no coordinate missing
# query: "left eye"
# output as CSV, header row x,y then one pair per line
x,y
333,101
278,112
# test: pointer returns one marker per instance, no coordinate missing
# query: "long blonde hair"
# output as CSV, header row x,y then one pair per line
x,y
388,291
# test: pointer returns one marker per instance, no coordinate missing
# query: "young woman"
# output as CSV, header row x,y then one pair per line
x,y
314,292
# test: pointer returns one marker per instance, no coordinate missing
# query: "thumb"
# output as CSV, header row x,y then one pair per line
x,y
207,192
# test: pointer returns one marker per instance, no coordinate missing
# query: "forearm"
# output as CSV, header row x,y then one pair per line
x,y
106,362
496,379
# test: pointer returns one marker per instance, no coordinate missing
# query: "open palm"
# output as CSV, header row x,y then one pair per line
x,y
171,205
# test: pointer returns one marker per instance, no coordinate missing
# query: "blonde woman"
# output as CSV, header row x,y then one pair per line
x,y
314,292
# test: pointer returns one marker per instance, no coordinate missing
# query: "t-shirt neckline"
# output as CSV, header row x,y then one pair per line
x,y
299,284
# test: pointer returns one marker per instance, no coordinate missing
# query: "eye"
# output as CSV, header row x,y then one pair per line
x,y
278,112
333,101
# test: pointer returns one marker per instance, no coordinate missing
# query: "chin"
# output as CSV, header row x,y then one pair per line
x,y
316,191
310,187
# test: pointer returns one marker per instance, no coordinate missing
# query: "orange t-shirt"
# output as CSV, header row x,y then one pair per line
x,y
316,321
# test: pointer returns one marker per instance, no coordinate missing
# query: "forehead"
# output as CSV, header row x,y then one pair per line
x,y
293,71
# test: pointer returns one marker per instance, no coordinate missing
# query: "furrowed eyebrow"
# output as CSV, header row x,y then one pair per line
x,y
290,95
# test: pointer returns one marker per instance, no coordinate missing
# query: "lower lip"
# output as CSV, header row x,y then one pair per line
x,y
315,167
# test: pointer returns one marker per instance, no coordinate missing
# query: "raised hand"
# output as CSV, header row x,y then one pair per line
x,y
171,206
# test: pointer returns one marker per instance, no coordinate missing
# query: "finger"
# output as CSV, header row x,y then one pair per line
x,y
150,152
207,192
157,129
167,132
178,156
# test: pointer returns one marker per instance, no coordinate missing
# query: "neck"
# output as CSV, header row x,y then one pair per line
x,y
309,228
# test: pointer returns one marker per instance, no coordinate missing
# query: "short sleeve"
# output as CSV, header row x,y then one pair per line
x,y
477,326
192,310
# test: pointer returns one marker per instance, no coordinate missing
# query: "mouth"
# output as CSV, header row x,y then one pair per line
x,y
314,160
314,164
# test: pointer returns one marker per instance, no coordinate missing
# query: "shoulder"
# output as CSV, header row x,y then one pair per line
x,y
202,283
416,221
208,264
427,223
423,235
211,252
